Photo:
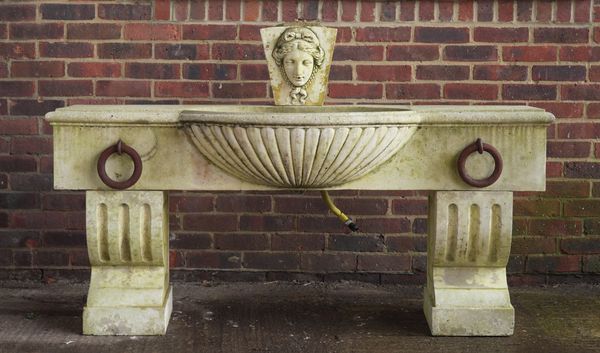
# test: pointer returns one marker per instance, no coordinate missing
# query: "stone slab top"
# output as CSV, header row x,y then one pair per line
x,y
169,115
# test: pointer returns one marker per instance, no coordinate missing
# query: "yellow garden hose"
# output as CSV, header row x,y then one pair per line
x,y
336,211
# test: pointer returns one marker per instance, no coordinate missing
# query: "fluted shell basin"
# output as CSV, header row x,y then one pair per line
x,y
299,147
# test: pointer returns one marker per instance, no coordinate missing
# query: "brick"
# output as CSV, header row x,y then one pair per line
x,y
356,243
289,10
524,10
595,73
124,51
18,239
233,10
17,50
226,51
162,9
395,225
442,72
501,35
407,10
528,92
409,207
31,145
529,53
37,69
297,242
505,11
181,89
250,32
212,32
388,12
348,11
561,35
152,71
3,30
470,91
180,10
561,110
123,88
361,91
94,69
188,240
337,73
383,73
596,35
500,72
441,34
383,34
588,92
213,259
310,9
465,10
410,91
446,10
210,71
31,182
544,11
426,10
66,50
579,130
563,11
593,110
553,264
384,263
568,149
406,243
267,223
299,205
559,73
269,11
271,261
485,10
576,246
329,11
581,11
65,88
3,181
591,264
239,90
470,53
93,31
325,263
126,12
197,10
366,53
33,107
241,241
181,51
215,10
67,12
36,31
533,245
17,12
582,208
412,52
145,31
555,227
191,203
64,239
320,224
344,35
242,203
537,208
261,72
210,222
16,88
19,200
19,126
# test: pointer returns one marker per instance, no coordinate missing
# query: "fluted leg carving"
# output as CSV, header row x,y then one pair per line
x,y
468,249
127,238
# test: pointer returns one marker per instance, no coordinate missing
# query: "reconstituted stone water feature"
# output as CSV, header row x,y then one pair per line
x,y
299,144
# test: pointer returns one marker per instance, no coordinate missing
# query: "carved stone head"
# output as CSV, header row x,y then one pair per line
x,y
298,63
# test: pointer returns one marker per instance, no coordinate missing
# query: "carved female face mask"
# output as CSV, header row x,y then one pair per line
x,y
298,66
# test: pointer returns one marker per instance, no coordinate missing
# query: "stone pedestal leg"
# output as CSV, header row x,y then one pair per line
x,y
468,248
127,238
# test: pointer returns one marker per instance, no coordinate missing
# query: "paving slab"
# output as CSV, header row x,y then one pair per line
x,y
286,317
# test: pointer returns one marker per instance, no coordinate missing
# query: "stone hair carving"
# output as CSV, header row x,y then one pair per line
x,y
299,56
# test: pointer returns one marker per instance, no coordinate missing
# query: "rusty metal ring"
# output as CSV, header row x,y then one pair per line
x,y
120,148
480,147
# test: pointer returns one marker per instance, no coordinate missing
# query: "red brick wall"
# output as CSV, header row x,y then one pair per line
x,y
539,53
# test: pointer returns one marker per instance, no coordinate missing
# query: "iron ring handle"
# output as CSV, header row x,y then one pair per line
x,y
480,147
120,148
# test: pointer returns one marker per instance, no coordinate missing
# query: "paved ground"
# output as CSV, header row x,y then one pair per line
x,y
308,318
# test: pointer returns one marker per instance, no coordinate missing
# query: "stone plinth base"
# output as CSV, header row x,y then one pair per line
x,y
469,321
128,320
